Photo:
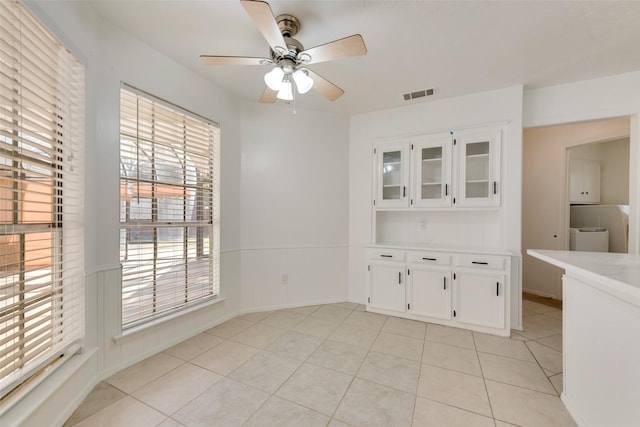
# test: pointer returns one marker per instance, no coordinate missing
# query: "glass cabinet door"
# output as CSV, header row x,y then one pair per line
x,y
392,175
479,168
476,184
431,182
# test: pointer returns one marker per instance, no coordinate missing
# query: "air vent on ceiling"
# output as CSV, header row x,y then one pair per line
x,y
418,94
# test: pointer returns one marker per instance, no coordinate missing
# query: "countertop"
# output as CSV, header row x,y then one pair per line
x,y
614,273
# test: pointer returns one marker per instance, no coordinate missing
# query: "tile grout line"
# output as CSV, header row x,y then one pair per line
x,y
357,370
287,379
484,380
296,370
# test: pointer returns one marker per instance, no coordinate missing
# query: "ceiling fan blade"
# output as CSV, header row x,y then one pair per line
x,y
233,60
325,87
262,16
268,96
343,48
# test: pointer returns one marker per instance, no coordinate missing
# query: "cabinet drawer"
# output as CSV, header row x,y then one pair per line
x,y
386,254
491,262
429,258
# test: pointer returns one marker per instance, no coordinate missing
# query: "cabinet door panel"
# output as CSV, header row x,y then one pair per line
x,y
430,292
584,181
431,169
478,166
481,298
392,175
388,287
591,182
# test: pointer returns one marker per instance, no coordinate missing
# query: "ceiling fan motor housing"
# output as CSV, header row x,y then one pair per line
x,y
288,24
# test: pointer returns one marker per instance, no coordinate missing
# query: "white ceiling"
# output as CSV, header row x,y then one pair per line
x,y
455,47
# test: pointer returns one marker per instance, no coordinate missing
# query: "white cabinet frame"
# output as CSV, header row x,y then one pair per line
x,y
467,174
391,180
477,170
431,176
464,290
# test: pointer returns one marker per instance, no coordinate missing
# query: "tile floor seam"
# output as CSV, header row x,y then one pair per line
x,y
149,406
526,388
355,374
274,394
457,407
450,345
418,386
484,380
533,362
270,394
199,394
543,371
542,344
449,369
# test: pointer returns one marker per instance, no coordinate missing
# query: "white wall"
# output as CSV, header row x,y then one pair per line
x,y
111,56
470,111
294,206
544,194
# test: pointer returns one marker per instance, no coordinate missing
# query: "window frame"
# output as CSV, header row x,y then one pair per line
x,y
156,188
42,120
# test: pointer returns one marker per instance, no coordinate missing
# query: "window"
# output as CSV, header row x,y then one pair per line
x,y
41,197
168,208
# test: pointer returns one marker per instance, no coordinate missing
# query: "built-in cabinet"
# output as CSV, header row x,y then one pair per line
x,y
417,180
584,181
456,169
467,290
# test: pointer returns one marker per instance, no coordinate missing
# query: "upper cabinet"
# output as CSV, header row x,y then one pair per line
x,y
392,174
584,181
478,168
438,170
431,180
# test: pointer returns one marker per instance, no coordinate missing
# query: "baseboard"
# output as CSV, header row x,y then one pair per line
x,y
291,305
540,294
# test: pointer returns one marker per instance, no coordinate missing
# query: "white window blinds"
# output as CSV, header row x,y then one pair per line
x,y
41,197
168,208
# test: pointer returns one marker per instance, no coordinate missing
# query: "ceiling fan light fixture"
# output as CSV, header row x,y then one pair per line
x,y
286,90
273,78
304,83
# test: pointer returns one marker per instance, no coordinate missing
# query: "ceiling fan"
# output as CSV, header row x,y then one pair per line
x,y
289,56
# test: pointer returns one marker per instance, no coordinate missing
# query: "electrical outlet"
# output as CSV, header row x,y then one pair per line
x,y
285,279
423,224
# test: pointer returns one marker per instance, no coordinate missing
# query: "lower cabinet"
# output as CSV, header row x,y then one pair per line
x,y
464,290
429,292
387,286
480,298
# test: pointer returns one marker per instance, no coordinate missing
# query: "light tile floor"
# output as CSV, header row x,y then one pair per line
x,y
335,365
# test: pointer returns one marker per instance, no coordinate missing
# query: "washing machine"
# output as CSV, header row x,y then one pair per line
x,y
589,239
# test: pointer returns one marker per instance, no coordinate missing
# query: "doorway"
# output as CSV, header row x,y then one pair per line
x,y
545,194
599,196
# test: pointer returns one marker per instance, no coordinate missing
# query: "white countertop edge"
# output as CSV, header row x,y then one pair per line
x,y
629,292
414,247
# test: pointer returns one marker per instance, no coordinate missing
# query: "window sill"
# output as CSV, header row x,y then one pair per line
x,y
124,335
